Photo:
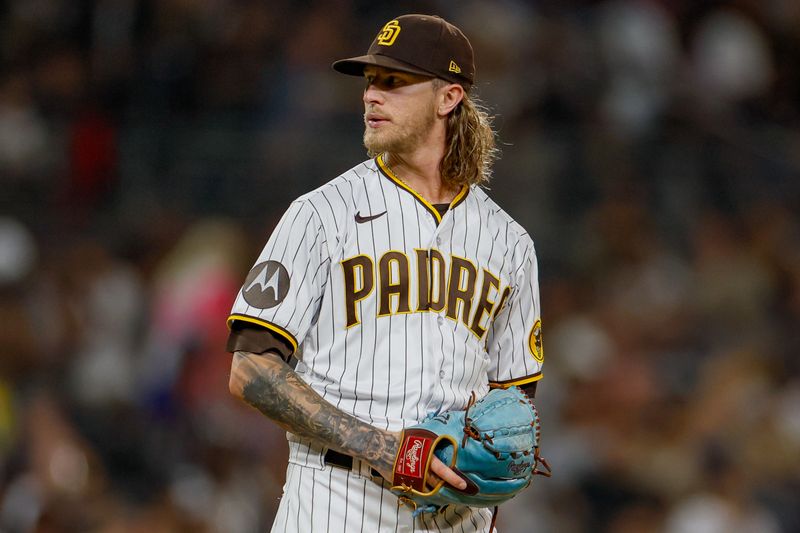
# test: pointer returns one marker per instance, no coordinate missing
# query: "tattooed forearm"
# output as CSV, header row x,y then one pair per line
x,y
272,387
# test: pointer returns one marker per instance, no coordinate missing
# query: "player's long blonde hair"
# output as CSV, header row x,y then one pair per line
x,y
471,148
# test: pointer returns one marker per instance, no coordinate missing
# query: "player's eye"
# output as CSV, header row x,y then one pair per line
x,y
383,82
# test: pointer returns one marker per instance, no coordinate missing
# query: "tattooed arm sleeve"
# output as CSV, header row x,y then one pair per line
x,y
267,383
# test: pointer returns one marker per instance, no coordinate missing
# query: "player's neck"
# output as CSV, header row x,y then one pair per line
x,y
420,171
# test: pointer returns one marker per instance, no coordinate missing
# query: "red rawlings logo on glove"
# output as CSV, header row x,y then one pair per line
x,y
412,454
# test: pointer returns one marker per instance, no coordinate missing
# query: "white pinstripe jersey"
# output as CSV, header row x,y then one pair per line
x,y
400,311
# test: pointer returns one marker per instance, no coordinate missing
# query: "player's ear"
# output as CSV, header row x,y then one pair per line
x,y
449,97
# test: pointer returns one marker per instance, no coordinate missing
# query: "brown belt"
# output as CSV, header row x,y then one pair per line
x,y
342,460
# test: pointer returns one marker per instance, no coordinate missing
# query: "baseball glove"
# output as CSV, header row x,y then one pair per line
x,y
493,445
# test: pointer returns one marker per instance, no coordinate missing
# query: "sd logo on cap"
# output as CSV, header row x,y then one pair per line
x,y
430,46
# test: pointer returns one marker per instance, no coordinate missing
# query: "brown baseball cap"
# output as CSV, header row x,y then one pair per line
x,y
420,44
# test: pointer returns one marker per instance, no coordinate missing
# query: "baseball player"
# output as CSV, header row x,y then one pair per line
x,y
406,286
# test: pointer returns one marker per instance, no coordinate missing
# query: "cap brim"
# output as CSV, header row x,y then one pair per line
x,y
354,66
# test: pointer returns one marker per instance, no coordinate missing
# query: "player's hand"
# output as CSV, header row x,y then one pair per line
x,y
437,472
440,471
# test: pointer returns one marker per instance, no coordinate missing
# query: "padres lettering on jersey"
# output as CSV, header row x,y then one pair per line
x,y
435,286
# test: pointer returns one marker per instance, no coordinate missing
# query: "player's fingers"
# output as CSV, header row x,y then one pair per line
x,y
433,479
444,472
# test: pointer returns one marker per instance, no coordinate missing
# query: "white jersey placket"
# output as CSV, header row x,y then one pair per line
x,y
436,341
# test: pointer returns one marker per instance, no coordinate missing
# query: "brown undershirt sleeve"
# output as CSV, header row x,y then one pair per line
x,y
247,337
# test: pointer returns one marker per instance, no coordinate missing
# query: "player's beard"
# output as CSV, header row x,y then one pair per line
x,y
400,138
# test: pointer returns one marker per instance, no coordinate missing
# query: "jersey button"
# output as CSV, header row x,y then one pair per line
x,y
440,320
441,374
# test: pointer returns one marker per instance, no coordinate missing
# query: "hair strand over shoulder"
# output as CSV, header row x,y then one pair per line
x,y
471,147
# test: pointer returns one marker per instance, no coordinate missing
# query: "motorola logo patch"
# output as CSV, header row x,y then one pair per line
x,y
266,285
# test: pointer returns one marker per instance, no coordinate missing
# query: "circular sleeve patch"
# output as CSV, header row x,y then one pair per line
x,y
266,285
535,341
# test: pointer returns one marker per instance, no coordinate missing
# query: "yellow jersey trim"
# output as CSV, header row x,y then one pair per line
x,y
400,183
460,197
268,325
518,382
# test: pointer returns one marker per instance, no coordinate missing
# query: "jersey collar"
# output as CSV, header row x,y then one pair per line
x,y
386,171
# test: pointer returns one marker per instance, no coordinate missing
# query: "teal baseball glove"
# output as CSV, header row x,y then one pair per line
x,y
493,445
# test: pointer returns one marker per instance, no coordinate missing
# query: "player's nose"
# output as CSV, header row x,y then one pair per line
x,y
372,95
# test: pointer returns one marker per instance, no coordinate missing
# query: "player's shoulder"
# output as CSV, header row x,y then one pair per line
x,y
498,217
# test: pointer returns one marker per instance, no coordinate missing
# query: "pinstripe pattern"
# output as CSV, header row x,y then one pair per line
x,y
392,370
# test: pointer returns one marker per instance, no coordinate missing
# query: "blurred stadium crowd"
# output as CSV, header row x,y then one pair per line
x,y
652,149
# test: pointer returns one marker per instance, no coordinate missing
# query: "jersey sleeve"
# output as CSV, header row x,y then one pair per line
x,y
514,342
282,291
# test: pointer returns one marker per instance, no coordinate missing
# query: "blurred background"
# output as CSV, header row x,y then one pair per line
x,y
652,149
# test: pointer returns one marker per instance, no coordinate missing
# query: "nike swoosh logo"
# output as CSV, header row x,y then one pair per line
x,y
361,219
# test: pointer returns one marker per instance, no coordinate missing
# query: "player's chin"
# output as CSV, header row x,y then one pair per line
x,y
374,142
